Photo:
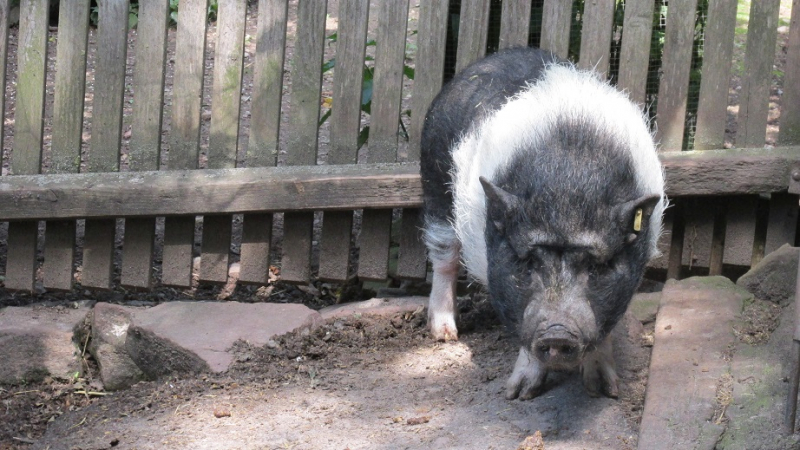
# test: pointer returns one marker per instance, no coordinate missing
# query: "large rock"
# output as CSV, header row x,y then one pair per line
x,y
37,341
773,278
109,331
197,336
376,306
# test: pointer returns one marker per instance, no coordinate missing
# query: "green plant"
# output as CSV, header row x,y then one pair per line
x,y
133,12
368,75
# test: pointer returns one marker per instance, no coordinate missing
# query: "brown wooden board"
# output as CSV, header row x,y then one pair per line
x,y
256,236
790,104
637,29
473,30
740,230
782,224
216,246
718,234
334,246
429,69
304,106
98,252
177,257
673,90
515,20
712,110
411,262
373,260
676,240
556,21
598,19
28,129
59,251
698,232
145,143
4,19
762,33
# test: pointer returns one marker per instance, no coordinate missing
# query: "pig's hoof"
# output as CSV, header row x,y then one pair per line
x,y
600,377
527,379
443,327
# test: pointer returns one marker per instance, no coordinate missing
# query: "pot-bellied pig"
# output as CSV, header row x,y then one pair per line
x,y
544,180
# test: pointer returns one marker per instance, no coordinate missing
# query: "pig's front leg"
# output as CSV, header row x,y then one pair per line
x,y
527,379
599,371
442,303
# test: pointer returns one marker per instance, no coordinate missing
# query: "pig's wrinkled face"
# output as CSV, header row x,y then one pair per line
x,y
561,284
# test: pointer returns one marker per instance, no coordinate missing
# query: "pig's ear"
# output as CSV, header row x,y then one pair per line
x,y
500,204
634,216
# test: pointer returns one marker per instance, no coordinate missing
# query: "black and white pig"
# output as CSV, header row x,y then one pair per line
x,y
544,181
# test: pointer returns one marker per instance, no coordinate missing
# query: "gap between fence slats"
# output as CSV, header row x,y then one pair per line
x,y
145,144
224,133
473,30
262,148
185,133
556,22
762,33
306,78
70,82
677,232
598,21
515,21
782,221
718,233
28,129
637,29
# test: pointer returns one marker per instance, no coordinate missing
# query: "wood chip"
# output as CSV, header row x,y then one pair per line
x,y
418,420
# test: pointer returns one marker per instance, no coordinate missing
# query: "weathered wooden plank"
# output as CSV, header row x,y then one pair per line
x,y
760,230
21,256
790,104
297,234
740,230
373,260
637,30
698,232
334,247
673,90
473,29
762,33
145,144
719,207
137,255
515,20
98,253
411,262
256,236
598,20
712,110
556,21
676,241
429,73
177,257
216,247
28,129
59,252
5,9
782,222
262,148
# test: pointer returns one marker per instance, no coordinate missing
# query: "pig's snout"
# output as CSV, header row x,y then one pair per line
x,y
558,348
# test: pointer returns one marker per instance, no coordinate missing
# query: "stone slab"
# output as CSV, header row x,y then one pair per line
x,y
773,278
196,336
38,340
376,306
693,338
110,324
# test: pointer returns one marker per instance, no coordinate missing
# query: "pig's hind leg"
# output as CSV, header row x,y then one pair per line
x,y
443,251
599,371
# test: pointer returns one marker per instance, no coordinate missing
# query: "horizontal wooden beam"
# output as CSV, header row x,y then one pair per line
x,y
339,187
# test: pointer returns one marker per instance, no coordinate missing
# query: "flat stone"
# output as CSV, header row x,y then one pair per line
x,y
376,306
773,279
693,335
110,324
197,336
37,341
644,306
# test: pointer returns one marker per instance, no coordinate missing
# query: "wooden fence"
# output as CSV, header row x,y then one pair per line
x,y
260,152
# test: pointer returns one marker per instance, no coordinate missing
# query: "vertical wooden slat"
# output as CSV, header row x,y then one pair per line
x,y
473,29
145,144
556,21
673,90
712,110
790,104
676,242
429,71
637,30
740,230
28,129
427,82
698,215
598,20
264,131
515,20
112,47
185,133
762,33
718,238
302,137
782,224
70,82
334,256
5,9
225,107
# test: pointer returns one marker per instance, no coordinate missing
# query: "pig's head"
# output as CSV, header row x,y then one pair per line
x,y
564,259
